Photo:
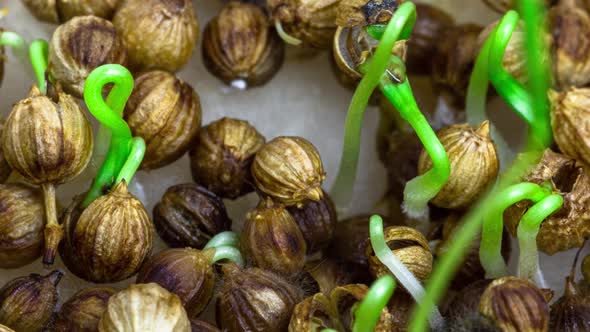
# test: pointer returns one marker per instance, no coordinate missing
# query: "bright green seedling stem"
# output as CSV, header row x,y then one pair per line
x,y
397,268
368,313
39,52
533,16
133,161
109,114
490,250
228,253
528,228
423,188
227,238
400,26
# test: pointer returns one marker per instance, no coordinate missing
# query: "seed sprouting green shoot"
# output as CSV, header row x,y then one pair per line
x,y
125,153
539,137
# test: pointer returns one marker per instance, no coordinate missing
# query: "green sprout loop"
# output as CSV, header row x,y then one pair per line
x,y
228,253
39,52
405,277
423,188
400,26
528,228
490,250
538,73
368,313
227,238
109,114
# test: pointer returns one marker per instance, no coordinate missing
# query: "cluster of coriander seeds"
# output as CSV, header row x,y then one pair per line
x,y
291,264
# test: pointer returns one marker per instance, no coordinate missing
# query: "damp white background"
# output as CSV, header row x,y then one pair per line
x,y
303,99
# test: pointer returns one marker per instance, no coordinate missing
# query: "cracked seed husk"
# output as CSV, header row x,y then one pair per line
x,y
146,308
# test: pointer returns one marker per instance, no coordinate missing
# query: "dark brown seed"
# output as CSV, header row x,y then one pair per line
x,y
453,62
431,24
166,112
324,274
189,215
271,239
82,311
221,159
22,220
202,326
158,34
185,272
27,303
79,46
515,304
240,47
571,312
110,239
254,300
317,221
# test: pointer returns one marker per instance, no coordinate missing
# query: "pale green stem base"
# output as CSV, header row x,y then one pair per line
x,y
227,238
420,190
528,228
228,253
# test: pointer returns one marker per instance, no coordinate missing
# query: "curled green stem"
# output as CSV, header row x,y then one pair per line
x,y
368,313
228,253
490,250
400,26
423,188
287,38
528,228
397,268
227,238
109,114
39,52
17,44
133,161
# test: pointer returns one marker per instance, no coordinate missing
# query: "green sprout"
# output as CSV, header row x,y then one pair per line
x,y
39,52
226,238
493,225
528,228
368,313
405,277
540,136
423,188
228,253
109,114
17,44
399,26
